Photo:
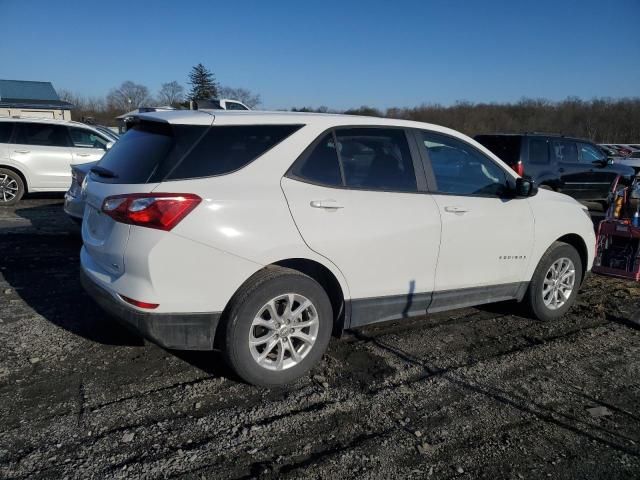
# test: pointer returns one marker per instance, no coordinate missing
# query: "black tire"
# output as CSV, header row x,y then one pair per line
x,y
246,305
10,178
534,298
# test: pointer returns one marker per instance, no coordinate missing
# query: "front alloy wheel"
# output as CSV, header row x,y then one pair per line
x,y
11,187
559,283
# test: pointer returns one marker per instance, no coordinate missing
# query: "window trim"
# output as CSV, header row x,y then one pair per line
x,y
431,178
421,182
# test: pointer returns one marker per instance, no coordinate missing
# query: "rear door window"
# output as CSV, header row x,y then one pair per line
x,y
376,159
564,151
5,131
43,134
320,165
538,151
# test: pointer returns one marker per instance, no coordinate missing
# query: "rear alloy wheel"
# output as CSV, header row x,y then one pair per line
x,y
11,187
555,283
278,325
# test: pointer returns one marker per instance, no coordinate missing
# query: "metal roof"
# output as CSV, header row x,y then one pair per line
x,y
28,94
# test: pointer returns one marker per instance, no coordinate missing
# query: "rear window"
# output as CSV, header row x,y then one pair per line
x,y
153,151
505,147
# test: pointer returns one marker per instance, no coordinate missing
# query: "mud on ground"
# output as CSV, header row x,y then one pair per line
x,y
474,393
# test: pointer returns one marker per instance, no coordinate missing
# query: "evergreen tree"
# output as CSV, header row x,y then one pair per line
x,y
203,83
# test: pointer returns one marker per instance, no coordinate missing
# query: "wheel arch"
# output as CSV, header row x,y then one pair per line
x,y
328,280
577,242
23,177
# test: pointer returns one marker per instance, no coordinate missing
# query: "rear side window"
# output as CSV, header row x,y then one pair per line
x,y
564,151
44,134
235,106
5,131
505,147
376,159
538,151
321,164
229,148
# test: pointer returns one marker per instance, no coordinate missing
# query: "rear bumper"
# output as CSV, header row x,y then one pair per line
x,y
74,207
179,331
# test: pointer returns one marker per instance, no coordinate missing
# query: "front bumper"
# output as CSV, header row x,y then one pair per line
x,y
179,331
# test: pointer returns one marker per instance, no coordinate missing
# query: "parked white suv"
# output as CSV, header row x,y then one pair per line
x,y
36,154
261,233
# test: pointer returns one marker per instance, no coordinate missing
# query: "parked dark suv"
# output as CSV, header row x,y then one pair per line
x,y
568,165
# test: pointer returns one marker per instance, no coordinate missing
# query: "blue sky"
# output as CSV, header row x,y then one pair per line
x,y
335,53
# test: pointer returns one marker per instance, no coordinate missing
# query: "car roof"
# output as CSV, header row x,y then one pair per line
x,y
254,117
45,120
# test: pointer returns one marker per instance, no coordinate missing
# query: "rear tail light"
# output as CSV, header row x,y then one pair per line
x,y
162,211
519,168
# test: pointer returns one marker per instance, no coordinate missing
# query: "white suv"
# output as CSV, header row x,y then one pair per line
x,y
36,154
261,233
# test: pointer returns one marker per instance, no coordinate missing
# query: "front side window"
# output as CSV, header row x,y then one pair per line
x,y
44,134
538,151
460,169
588,153
81,137
376,159
564,151
321,165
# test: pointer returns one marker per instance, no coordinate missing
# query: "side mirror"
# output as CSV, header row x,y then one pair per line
x,y
109,145
525,187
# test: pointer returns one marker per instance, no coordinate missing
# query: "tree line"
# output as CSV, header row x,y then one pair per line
x,y
603,120
130,95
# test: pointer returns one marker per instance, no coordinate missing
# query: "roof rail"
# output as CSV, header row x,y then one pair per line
x,y
551,134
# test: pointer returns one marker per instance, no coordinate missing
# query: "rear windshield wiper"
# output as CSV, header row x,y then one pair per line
x,y
104,172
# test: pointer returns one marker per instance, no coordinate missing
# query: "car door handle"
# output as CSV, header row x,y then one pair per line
x,y
328,204
456,209
83,154
22,151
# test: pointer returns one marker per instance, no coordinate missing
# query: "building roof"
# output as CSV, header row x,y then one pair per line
x,y
28,94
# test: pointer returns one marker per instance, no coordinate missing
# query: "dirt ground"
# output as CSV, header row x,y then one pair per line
x,y
474,393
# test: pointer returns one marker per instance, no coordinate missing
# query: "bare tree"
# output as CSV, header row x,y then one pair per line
x,y
128,96
171,93
245,96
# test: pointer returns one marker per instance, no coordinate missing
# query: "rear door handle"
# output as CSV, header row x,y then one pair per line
x,y
328,204
453,209
83,154
22,151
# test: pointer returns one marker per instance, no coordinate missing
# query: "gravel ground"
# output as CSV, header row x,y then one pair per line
x,y
474,393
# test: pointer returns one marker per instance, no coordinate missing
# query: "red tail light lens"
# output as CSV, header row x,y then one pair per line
x,y
519,168
140,304
153,210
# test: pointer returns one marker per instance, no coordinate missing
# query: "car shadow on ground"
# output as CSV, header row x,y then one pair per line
x,y
40,262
